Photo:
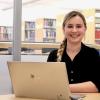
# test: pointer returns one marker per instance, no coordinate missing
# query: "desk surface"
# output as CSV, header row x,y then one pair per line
x,y
89,96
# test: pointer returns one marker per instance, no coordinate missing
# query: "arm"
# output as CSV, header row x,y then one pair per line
x,y
83,87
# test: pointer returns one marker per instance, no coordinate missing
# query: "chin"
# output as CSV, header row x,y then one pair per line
x,y
75,42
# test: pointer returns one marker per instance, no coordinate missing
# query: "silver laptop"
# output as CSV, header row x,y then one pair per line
x,y
39,80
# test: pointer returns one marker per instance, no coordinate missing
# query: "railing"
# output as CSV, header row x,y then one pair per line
x,y
31,45
29,48
34,48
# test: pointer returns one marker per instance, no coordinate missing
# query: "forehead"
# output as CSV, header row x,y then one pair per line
x,y
75,20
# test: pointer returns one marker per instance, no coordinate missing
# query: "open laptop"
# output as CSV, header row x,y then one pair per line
x,y
39,80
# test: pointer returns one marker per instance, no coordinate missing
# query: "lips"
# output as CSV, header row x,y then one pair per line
x,y
74,35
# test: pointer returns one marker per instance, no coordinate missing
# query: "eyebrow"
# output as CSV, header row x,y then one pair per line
x,y
75,24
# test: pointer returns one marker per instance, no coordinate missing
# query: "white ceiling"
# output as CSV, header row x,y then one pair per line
x,y
5,3
62,4
8,4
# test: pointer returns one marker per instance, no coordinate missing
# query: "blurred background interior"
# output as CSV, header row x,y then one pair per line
x,y
30,29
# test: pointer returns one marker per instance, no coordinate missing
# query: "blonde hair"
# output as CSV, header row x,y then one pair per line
x,y
60,50
66,19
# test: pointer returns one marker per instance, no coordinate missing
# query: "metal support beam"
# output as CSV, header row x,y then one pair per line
x,y
17,30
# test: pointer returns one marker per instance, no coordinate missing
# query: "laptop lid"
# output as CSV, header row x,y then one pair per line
x,y
39,80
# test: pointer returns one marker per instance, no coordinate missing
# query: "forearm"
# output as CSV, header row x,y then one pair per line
x,y
84,87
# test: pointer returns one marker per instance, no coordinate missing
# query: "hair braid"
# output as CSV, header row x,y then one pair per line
x,y
60,50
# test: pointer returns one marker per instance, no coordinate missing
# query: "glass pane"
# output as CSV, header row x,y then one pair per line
x,y
39,28
6,36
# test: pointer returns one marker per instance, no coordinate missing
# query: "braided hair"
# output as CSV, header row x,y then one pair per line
x,y
60,50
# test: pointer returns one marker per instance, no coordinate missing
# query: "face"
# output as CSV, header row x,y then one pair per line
x,y
74,30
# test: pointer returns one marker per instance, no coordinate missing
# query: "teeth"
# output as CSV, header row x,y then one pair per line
x,y
74,36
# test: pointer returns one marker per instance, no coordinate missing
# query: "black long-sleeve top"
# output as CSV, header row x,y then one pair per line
x,y
84,67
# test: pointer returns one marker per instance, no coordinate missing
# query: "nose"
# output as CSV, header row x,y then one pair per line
x,y
74,29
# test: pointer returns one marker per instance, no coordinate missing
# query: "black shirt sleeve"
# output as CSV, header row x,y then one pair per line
x,y
52,56
95,71
92,59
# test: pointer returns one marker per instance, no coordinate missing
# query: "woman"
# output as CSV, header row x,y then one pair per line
x,y
82,61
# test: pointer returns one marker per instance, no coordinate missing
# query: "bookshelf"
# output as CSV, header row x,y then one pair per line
x,y
46,30
6,33
29,31
49,30
97,30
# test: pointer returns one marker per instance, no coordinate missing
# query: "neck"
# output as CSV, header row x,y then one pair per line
x,y
73,48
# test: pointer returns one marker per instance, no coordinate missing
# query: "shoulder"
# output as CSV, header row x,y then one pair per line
x,y
90,50
52,55
54,51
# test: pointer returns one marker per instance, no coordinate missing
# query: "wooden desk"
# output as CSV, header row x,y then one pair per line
x,y
89,96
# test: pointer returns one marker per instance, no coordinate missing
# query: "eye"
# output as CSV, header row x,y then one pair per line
x,y
69,26
78,26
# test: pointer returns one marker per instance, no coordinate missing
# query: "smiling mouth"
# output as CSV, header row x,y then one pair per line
x,y
74,36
